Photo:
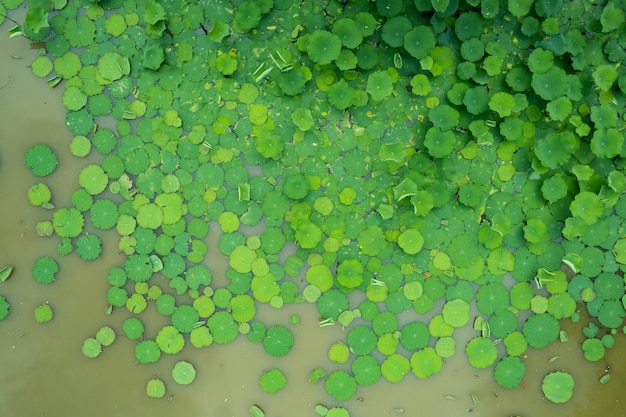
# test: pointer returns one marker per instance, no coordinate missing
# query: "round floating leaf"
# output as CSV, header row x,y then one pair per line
x,y
395,367
419,41
88,247
133,328
273,381
91,347
170,340
456,313
93,179
558,387
45,269
426,362
147,351
323,47
362,340
41,160
223,327
43,313
540,330
39,194
411,241
183,373
593,349
509,372
278,341
481,352
103,214
68,222
340,385
379,85
184,318
106,336
366,370
155,388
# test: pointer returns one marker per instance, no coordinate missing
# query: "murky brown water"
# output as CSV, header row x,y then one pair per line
x,y
43,372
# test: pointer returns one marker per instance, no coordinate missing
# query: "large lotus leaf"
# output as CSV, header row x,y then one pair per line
x,y
558,387
323,47
419,41
555,149
551,84
426,362
540,330
587,206
379,85
481,352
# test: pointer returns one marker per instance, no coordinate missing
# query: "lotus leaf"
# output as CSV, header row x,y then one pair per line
x,y
558,387
481,352
509,372
41,160
366,370
43,313
183,373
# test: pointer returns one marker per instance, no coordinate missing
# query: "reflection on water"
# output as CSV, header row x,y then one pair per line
x,y
43,372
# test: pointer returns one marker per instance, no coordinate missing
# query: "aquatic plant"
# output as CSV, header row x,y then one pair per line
x,y
414,159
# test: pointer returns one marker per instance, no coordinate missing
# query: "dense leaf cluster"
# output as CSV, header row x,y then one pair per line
x,y
467,150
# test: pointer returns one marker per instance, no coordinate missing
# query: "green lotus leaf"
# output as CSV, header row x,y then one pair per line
x,y
558,387
303,118
440,144
169,339
456,313
4,308
379,85
366,370
36,19
273,381
419,41
540,60
540,330
349,32
509,372
607,143
492,298
147,351
332,303
341,95
243,308
41,160
155,388
612,17
395,367
153,56
426,362
133,328
44,270
559,109
444,117
587,206
39,195
502,103
93,179
278,341
361,340
91,348
551,84
481,352
340,385
394,29
113,66
323,47
520,8
515,343
106,336
223,327
472,50
183,373
555,149
611,314
88,247
476,100
184,318
468,25
350,273
420,85
247,16
43,313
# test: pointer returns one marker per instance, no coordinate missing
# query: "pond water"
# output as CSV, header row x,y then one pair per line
x,y
44,373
